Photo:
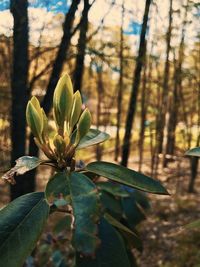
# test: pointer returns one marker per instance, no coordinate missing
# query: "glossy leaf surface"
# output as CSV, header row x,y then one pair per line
x,y
21,223
111,252
127,176
93,137
84,199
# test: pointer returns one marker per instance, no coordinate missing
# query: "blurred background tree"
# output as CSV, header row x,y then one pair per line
x,y
136,64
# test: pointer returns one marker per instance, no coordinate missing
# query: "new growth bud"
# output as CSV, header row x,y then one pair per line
x,y
71,125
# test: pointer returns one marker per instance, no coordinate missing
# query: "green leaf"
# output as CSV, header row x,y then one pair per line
x,y
21,223
142,199
127,176
57,188
128,234
23,165
117,224
85,208
93,137
113,188
111,204
111,253
133,211
193,152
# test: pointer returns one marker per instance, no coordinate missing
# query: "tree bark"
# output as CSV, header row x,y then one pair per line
x,y
162,114
173,117
143,112
119,96
19,90
100,91
135,88
61,55
79,68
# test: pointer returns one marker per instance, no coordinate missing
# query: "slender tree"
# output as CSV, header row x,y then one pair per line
x,y
61,55
100,91
120,90
19,78
81,46
143,110
163,108
173,112
135,87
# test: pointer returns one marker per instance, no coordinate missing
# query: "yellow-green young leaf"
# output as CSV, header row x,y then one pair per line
x,y
62,100
59,143
76,109
83,125
34,121
56,116
36,105
45,122
39,110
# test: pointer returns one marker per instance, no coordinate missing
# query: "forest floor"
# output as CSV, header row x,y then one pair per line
x,y
166,242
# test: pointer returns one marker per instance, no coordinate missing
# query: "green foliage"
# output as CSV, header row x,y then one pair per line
x,y
84,199
126,176
57,188
93,137
101,216
111,253
21,224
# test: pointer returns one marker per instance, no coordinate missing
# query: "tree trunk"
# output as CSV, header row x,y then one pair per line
x,y
119,96
171,137
19,89
81,46
135,88
100,90
61,55
154,141
143,113
162,116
